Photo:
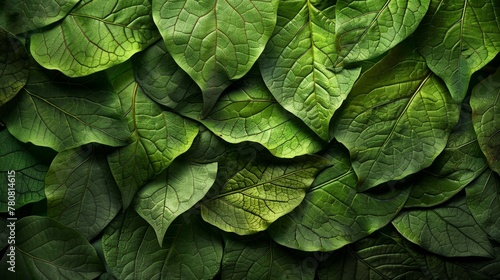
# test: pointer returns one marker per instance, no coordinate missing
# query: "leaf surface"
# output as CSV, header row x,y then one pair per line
x,y
14,66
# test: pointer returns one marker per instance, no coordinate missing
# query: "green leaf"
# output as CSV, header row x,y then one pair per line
x,y
485,103
457,38
483,200
298,61
367,29
46,249
258,257
458,165
261,193
54,112
215,42
333,214
172,193
189,251
158,136
449,230
23,16
397,118
14,66
94,36
81,192
248,112
30,168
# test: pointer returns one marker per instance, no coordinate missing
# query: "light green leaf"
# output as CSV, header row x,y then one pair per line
x,y
297,65
248,112
158,136
458,165
14,66
397,118
215,42
483,200
172,193
81,192
367,29
261,193
333,214
46,249
94,36
485,103
457,38
30,166
258,257
449,230
22,16
190,249
54,112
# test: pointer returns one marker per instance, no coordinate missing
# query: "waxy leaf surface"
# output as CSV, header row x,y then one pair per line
x,y
14,66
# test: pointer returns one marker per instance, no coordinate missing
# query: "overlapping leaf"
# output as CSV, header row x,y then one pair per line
x,y
261,193
172,193
397,118
297,64
94,36
215,41
189,251
457,38
485,103
14,66
158,136
333,214
81,192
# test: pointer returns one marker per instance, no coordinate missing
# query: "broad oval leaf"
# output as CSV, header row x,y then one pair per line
x,y
449,230
14,66
485,103
215,42
81,192
457,38
397,118
297,65
261,193
333,213
172,193
190,250
94,36
46,249
367,29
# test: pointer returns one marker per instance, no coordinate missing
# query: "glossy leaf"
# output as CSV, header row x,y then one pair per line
x,y
215,42
457,38
297,64
29,166
458,165
81,192
483,200
172,193
94,36
158,136
397,118
261,193
14,66
189,251
63,114
46,249
260,258
333,214
449,230
485,103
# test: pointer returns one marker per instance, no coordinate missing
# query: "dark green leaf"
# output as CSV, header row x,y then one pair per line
x,y
14,66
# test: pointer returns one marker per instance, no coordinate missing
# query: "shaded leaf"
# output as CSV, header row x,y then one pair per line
x,y
14,66
215,42
81,192
397,119
297,65
94,36
172,193
457,38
